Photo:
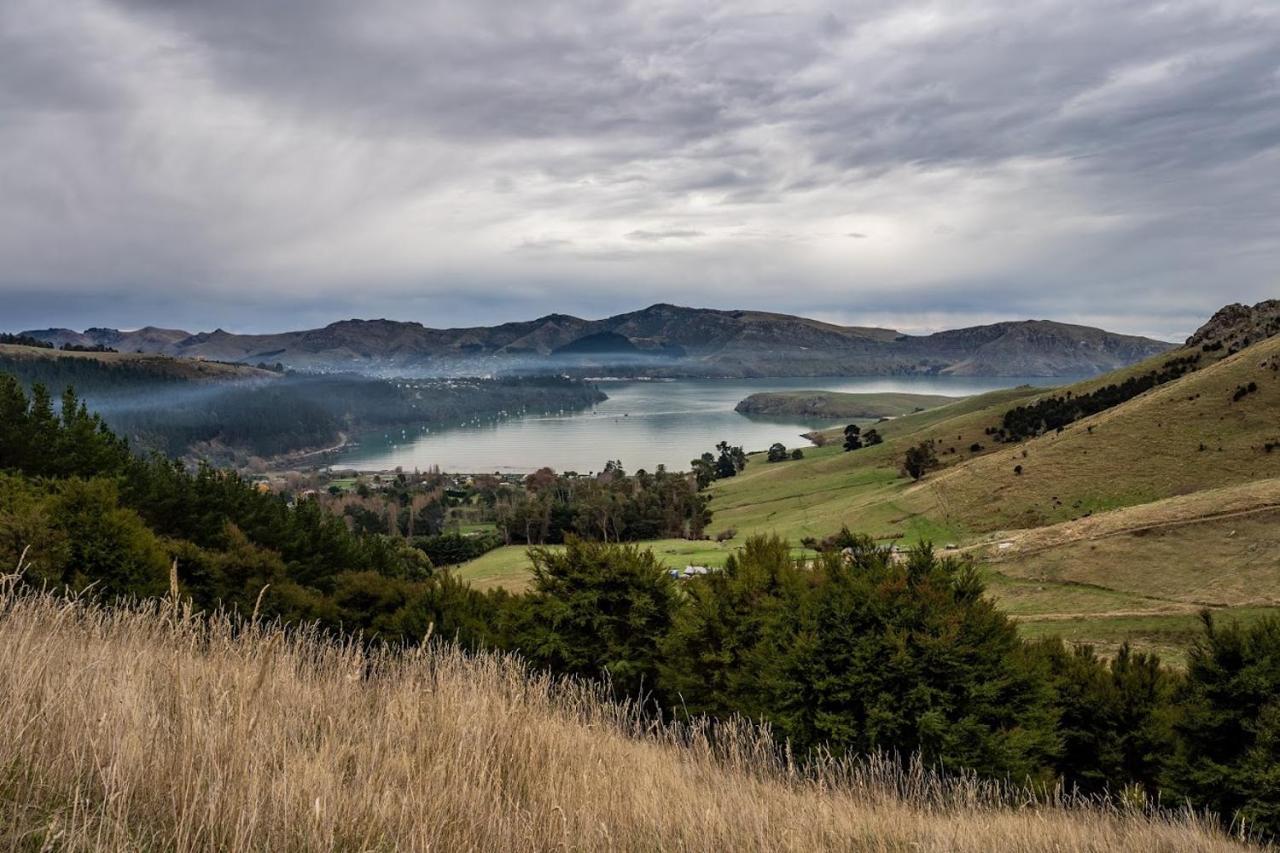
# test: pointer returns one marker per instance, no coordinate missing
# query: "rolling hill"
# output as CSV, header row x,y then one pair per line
x,y
53,362
1119,527
833,404
665,340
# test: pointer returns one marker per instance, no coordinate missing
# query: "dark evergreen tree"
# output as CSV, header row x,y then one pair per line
x,y
1228,756
853,437
599,609
919,460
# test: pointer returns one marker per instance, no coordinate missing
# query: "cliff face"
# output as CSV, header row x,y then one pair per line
x,y
666,340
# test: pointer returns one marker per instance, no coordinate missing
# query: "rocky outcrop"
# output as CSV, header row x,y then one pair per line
x,y
1236,326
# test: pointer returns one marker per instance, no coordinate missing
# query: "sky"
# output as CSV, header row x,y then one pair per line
x,y
271,166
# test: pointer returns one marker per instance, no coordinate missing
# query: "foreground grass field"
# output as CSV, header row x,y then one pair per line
x,y
144,729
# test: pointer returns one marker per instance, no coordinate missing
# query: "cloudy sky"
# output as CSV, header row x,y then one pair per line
x,y
267,166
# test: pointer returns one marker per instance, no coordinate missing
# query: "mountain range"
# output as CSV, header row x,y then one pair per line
x,y
661,340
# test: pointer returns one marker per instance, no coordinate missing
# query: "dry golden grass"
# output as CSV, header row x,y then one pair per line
x,y
1176,439
143,728
1215,548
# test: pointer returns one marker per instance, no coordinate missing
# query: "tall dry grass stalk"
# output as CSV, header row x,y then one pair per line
x,y
141,727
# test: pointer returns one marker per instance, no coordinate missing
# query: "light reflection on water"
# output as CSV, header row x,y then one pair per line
x,y
642,423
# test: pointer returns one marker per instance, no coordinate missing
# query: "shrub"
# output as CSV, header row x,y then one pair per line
x,y
1228,757
599,609
919,460
852,437
451,549
860,652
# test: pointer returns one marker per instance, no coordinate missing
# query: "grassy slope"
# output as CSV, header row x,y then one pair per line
x,y
1144,450
1105,579
1234,533
863,489
1143,586
834,404
184,368
141,730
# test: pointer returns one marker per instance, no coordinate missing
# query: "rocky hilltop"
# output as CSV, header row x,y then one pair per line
x,y
661,340
1235,326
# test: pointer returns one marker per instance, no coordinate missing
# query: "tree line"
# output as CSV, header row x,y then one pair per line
x,y
611,506
162,410
24,341
1055,412
89,513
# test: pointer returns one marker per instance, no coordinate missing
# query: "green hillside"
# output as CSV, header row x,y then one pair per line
x,y
1176,439
834,404
1122,504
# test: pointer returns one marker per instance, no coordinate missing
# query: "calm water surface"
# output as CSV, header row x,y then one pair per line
x,y
642,423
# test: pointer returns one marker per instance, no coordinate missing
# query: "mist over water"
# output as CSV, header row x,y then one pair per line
x,y
644,424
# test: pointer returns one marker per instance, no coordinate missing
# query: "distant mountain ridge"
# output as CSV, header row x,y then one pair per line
x,y
661,340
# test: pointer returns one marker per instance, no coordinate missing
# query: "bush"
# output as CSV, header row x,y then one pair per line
x,y
1228,756
1055,412
451,549
852,437
599,609
858,653
919,460
1114,717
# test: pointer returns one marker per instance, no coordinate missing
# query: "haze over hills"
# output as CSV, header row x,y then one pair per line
x,y
661,340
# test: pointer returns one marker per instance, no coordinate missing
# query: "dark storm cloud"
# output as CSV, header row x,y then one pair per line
x,y
1082,159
